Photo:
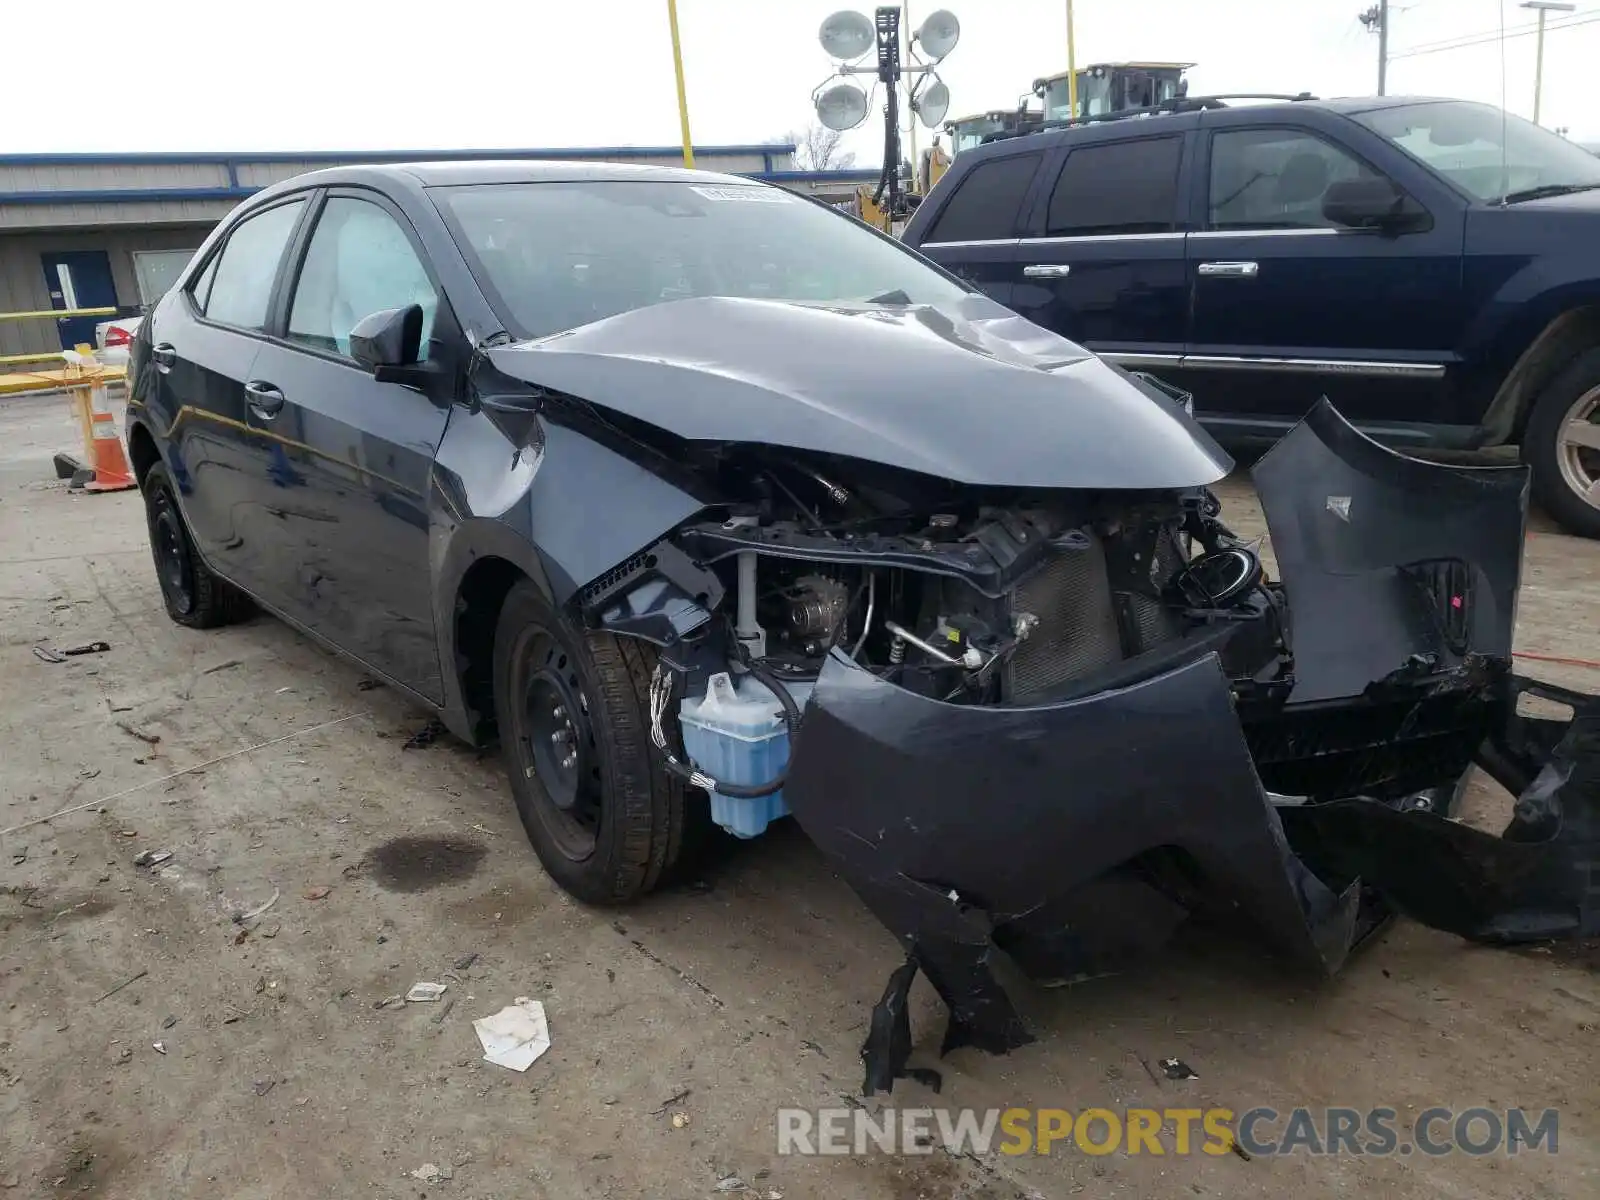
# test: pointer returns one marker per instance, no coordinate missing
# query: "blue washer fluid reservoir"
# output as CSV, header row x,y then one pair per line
x,y
735,733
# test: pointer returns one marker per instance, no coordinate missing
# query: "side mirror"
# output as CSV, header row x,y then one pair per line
x,y
1373,203
391,337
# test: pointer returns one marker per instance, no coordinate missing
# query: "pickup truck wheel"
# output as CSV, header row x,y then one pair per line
x,y
603,814
1562,445
193,595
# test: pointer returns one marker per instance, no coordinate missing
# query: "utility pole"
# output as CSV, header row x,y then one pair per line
x,y
1376,19
1544,8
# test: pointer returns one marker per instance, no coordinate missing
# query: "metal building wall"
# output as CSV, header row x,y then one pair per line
x,y
23,287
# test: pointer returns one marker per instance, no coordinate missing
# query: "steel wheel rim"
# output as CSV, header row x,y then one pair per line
x,y
174,567
1578,447
558,748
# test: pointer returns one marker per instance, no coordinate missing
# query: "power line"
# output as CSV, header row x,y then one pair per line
x,y
1503,30
1586,17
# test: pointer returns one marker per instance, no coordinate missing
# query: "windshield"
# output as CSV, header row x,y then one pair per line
x,y
970,133
553,256
1094,98
1488,154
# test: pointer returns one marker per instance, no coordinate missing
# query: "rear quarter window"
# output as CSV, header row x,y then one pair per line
x,y
987,201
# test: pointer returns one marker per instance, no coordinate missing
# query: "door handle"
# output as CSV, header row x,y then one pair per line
x,y
164,356
1231,270
1047,271
265,400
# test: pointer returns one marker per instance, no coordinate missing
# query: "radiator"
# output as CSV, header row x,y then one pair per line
x,y
1077,630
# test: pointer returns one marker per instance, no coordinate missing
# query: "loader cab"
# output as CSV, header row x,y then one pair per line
x,y
968,132
1105,88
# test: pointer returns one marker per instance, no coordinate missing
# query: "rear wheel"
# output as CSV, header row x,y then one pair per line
x,y
1562,445
193,595
604,816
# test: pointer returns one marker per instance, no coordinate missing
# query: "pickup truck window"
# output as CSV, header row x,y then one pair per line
x,y
986,203
1122,187
1275,178
1486,153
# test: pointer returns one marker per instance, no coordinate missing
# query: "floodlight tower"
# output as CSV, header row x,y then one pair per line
x,y
847,37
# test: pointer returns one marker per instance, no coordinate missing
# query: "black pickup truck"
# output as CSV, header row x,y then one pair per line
x,y
1430,266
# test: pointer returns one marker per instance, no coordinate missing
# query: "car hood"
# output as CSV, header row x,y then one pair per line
x,y
966,391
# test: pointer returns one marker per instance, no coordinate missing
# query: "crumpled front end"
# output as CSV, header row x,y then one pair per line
x,y
1062,838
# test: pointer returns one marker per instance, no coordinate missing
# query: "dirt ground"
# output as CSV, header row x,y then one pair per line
x,y
277,1077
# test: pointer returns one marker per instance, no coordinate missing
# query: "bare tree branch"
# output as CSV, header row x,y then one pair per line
x,y
817,149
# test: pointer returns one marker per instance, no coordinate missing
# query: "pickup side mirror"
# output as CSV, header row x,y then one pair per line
x,y
1373,203
391,337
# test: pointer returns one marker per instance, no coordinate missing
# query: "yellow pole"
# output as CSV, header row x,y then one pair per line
x,y
683,99
1072,66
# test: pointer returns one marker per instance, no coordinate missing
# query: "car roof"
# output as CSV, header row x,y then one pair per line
x,y
1347,106
496,171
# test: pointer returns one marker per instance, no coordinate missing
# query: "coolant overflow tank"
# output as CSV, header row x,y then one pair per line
x,y
735,733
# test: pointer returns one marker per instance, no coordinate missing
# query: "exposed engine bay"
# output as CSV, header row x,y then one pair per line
x,y
973,602
963,595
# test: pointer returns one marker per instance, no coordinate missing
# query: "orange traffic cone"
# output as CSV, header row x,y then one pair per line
x,y
111,470
106,468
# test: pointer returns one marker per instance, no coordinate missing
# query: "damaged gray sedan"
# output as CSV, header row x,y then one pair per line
x,y
715,506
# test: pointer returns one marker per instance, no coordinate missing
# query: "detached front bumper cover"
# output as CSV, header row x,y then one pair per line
x,y
1065,840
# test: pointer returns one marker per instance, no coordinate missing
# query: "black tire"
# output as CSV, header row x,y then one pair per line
x,y
608,826
193,595
1559,467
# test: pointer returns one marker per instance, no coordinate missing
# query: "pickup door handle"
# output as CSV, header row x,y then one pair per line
x,y
265,400
1047,271
164,356
1231,270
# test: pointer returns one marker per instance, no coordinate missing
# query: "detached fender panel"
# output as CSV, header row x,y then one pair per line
x,y
1389,562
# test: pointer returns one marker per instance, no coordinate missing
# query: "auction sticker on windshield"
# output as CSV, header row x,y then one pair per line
x,y
749,195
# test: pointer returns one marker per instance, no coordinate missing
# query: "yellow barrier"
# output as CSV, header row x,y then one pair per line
x,y
16,382
27,358
42,313
104,467
45,314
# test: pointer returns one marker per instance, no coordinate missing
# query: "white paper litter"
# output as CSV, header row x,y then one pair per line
x,y
423,993
515,1036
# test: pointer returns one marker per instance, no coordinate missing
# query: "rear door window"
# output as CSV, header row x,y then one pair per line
x,y
241,286
1117,188
987,202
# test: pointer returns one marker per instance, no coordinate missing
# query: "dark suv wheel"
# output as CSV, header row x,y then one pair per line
x,y
573,707
193,595
1562,445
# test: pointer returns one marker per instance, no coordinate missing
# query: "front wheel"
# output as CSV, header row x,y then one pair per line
x,y
604,816
193,595
1562,445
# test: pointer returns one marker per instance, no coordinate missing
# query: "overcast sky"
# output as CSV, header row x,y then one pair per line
x,y
365,74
